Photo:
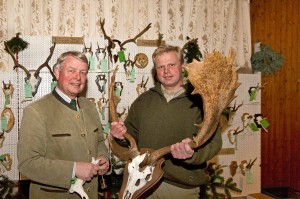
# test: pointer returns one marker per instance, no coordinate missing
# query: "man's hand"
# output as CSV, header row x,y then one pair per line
x,y
118,129
86,170
103,164
182,150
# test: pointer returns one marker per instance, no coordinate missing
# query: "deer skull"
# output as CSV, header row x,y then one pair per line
x,y
32,76
35,82
138,177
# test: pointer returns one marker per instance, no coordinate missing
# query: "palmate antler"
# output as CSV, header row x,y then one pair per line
x,y
122,152
215,79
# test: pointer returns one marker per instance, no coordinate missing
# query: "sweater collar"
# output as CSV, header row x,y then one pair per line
x,y
187,89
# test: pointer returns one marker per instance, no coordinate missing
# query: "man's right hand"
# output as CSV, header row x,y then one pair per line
x,y
118,129
86,171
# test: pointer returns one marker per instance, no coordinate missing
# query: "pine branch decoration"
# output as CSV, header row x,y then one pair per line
x,y
16,44
217,181
266,60
191,50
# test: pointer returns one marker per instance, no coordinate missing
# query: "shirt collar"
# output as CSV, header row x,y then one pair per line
x,y
171,95
62,95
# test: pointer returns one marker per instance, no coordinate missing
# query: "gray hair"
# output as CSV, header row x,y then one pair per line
x,y
76,54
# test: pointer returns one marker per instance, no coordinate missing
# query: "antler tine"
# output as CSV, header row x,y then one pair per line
x,y
151,159
46,64
160,37
146,82
122,152
17,65
237,131
102,22
137,36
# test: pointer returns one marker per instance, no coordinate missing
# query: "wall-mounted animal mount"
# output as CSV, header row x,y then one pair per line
x,y
129,69
118,88
32,76
253,90
7,120
141,87
5,163
8,91
228,115
101,61
141,60
116,45
101,82
143,170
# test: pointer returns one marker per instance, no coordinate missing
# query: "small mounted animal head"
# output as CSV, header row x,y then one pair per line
x,y
8,89
141,87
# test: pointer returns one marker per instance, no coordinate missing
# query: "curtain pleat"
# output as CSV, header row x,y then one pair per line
x,y
218,24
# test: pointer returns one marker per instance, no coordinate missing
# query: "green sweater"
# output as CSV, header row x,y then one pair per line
x,y
156,123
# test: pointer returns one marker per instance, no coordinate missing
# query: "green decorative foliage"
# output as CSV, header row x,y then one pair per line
x,y
266,61
217,182
191,51
16,44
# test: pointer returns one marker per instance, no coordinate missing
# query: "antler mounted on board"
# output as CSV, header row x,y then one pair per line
x,y
215,79
112,42
135,38
33,75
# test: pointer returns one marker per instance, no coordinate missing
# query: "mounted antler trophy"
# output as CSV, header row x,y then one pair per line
x,y
215,79
32,76
112,42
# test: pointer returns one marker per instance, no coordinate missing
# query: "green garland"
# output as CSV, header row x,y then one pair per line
x,y
266,61
16,44
191,50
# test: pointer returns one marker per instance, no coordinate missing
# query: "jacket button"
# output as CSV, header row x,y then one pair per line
x,y
82,134
77,116
88,189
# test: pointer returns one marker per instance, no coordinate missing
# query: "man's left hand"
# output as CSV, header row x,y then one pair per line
x,y
182,150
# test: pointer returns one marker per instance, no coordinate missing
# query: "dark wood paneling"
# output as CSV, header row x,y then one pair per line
x,y
276,23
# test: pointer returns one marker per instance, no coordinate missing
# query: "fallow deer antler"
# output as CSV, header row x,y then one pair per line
x,y
144,178
122,152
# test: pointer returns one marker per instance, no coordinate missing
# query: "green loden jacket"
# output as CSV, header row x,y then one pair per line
x,y
156,123
52,138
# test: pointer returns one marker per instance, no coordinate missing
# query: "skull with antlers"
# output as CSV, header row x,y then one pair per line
x,y
215,79
112,43
32,76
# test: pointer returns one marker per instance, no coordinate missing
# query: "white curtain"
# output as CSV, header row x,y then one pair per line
x,y
218,24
